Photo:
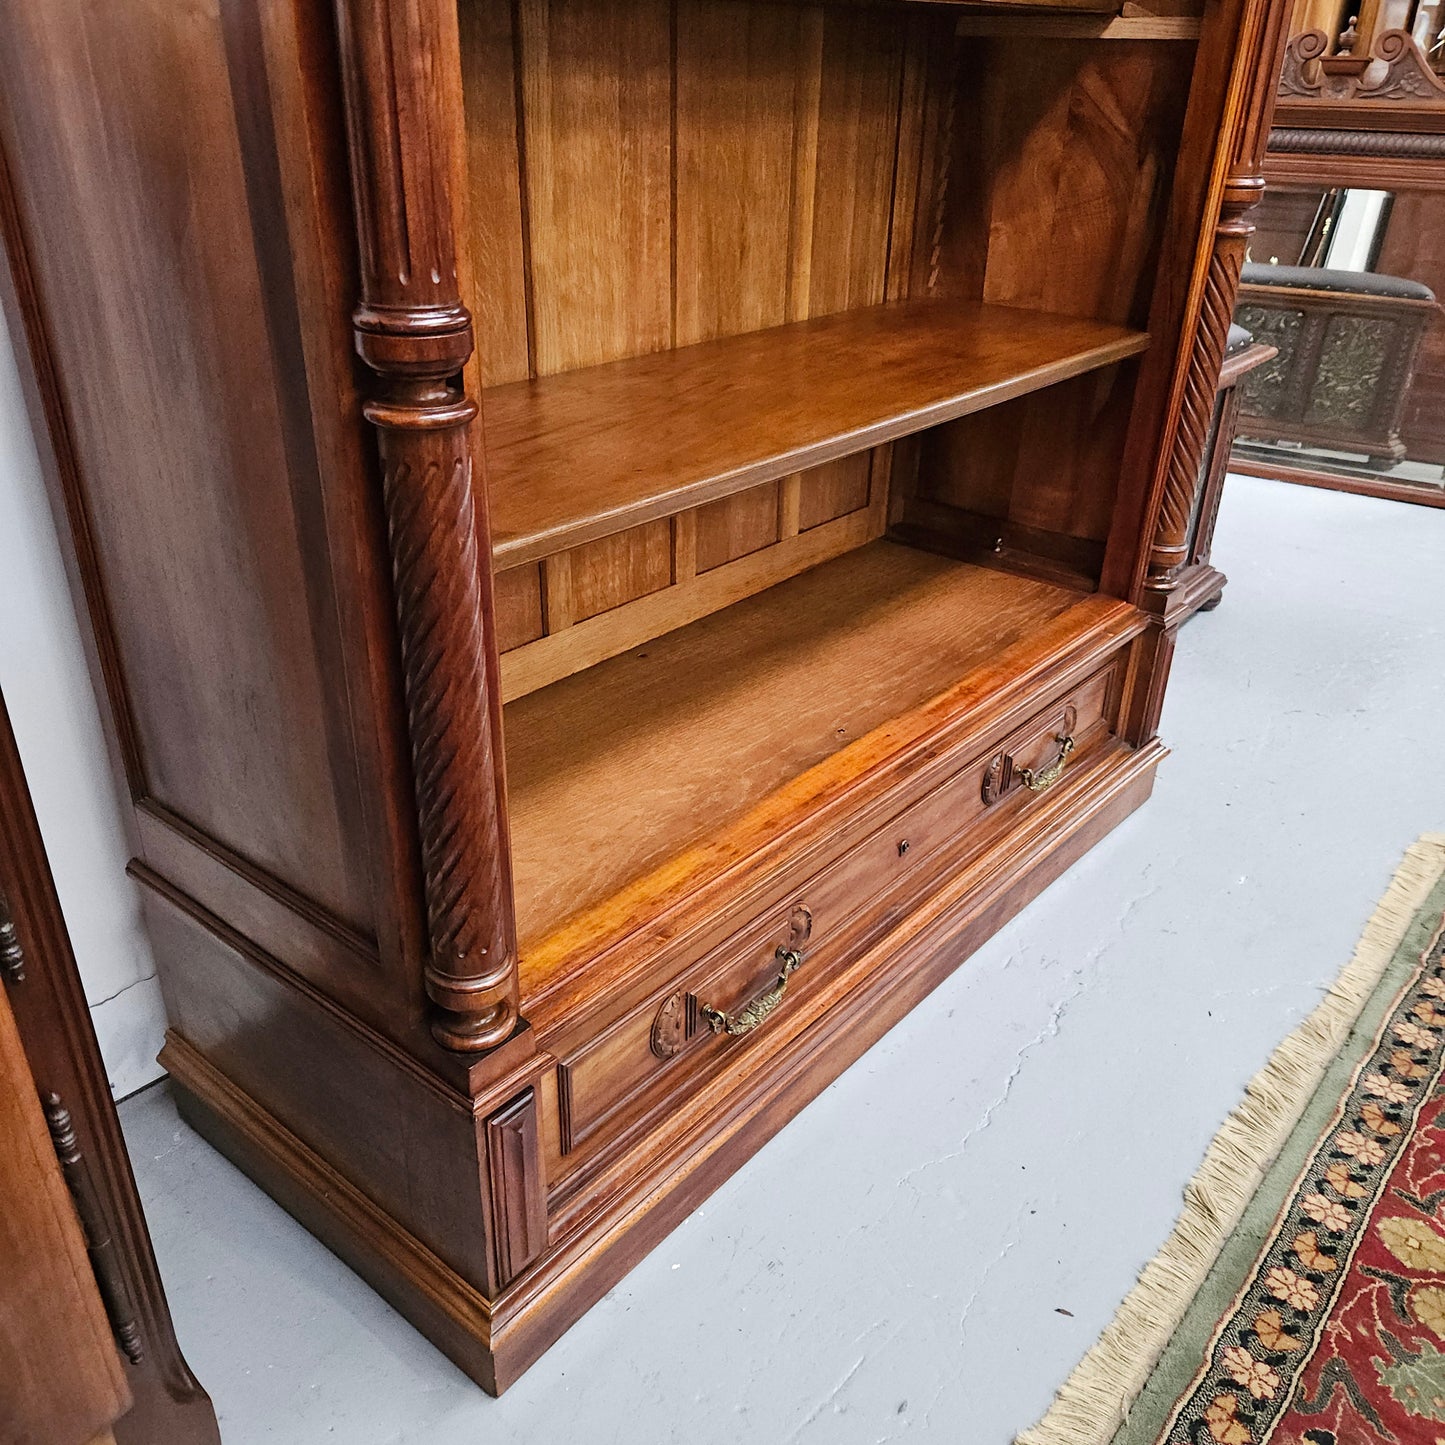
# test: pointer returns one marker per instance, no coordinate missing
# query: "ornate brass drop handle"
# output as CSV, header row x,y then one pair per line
x,y
751,1015
1037,782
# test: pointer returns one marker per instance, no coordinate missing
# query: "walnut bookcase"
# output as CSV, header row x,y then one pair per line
x,y
542,791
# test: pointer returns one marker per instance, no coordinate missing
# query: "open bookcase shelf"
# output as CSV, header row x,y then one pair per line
x,y
639,759
584,454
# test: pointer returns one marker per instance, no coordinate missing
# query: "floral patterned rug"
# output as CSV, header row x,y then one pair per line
x,y
1318,1317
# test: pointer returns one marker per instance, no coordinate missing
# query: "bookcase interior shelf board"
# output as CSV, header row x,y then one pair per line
x,y
581,454
619,769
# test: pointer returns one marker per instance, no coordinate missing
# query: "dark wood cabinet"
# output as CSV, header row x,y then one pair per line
x,y
624,538
61,1373
86,1342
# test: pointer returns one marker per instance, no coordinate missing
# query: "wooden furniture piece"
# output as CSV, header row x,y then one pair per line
x,y
63,1384
1201,584
1414,246
1347,342
86,1343
1370,115
561,744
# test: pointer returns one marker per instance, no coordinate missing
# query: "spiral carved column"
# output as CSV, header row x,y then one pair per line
x,y
1170,548
415,334
427,477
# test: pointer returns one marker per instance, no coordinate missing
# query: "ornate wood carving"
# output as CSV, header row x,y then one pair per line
x,y
1170,551
1185,445
1343,369
414,332
1396,70
99,1243
1383,144
1297,76
1407,74
673,1025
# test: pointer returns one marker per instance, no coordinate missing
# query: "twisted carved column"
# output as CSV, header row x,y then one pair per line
x,y
414,333
1232,232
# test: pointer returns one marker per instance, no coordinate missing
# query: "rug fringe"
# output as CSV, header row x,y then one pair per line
x,y
1095,1400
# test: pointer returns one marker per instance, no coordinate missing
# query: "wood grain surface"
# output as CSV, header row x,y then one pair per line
x,y
620,768
61,1372
576,456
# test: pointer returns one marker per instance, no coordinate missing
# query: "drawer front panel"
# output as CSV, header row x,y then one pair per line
x,y
653,1051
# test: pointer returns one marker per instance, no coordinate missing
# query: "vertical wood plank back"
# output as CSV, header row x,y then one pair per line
x,y
737,84
834,490
858,132
597,102
494,169
656,174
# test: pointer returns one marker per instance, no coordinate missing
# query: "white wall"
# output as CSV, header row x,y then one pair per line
x,y
53,709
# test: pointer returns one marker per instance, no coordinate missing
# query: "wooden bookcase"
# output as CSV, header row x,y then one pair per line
x,y
757,580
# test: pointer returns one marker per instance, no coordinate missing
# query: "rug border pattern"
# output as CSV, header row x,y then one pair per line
x,y
1233,1331
1095,1400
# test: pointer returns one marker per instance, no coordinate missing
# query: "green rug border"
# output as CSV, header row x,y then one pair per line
x,y
1179,1364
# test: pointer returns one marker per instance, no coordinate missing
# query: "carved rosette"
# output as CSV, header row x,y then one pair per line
x,y
415,334
1170,549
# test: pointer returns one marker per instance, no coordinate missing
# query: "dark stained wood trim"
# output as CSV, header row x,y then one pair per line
x,y
453,1314
170,1407
1239,193
1333,164
239,943
1376,116
1422,495
518,1197
155,817
1427,145
401,80
55,444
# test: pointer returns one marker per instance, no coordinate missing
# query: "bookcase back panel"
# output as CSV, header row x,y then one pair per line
x,y
583,605
648,174
1060,175
1037,461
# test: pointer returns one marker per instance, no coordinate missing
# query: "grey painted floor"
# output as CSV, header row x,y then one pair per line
x,y
927,1250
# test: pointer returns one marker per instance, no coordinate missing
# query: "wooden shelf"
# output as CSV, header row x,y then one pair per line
x,y
619,770
582,454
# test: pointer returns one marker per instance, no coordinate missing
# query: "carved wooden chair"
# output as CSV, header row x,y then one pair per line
x,y
1347,344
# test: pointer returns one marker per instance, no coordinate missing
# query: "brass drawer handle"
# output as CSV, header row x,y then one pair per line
x,y
751,1015
1037,782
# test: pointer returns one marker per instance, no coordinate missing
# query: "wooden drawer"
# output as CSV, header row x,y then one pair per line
x,y
655,1050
